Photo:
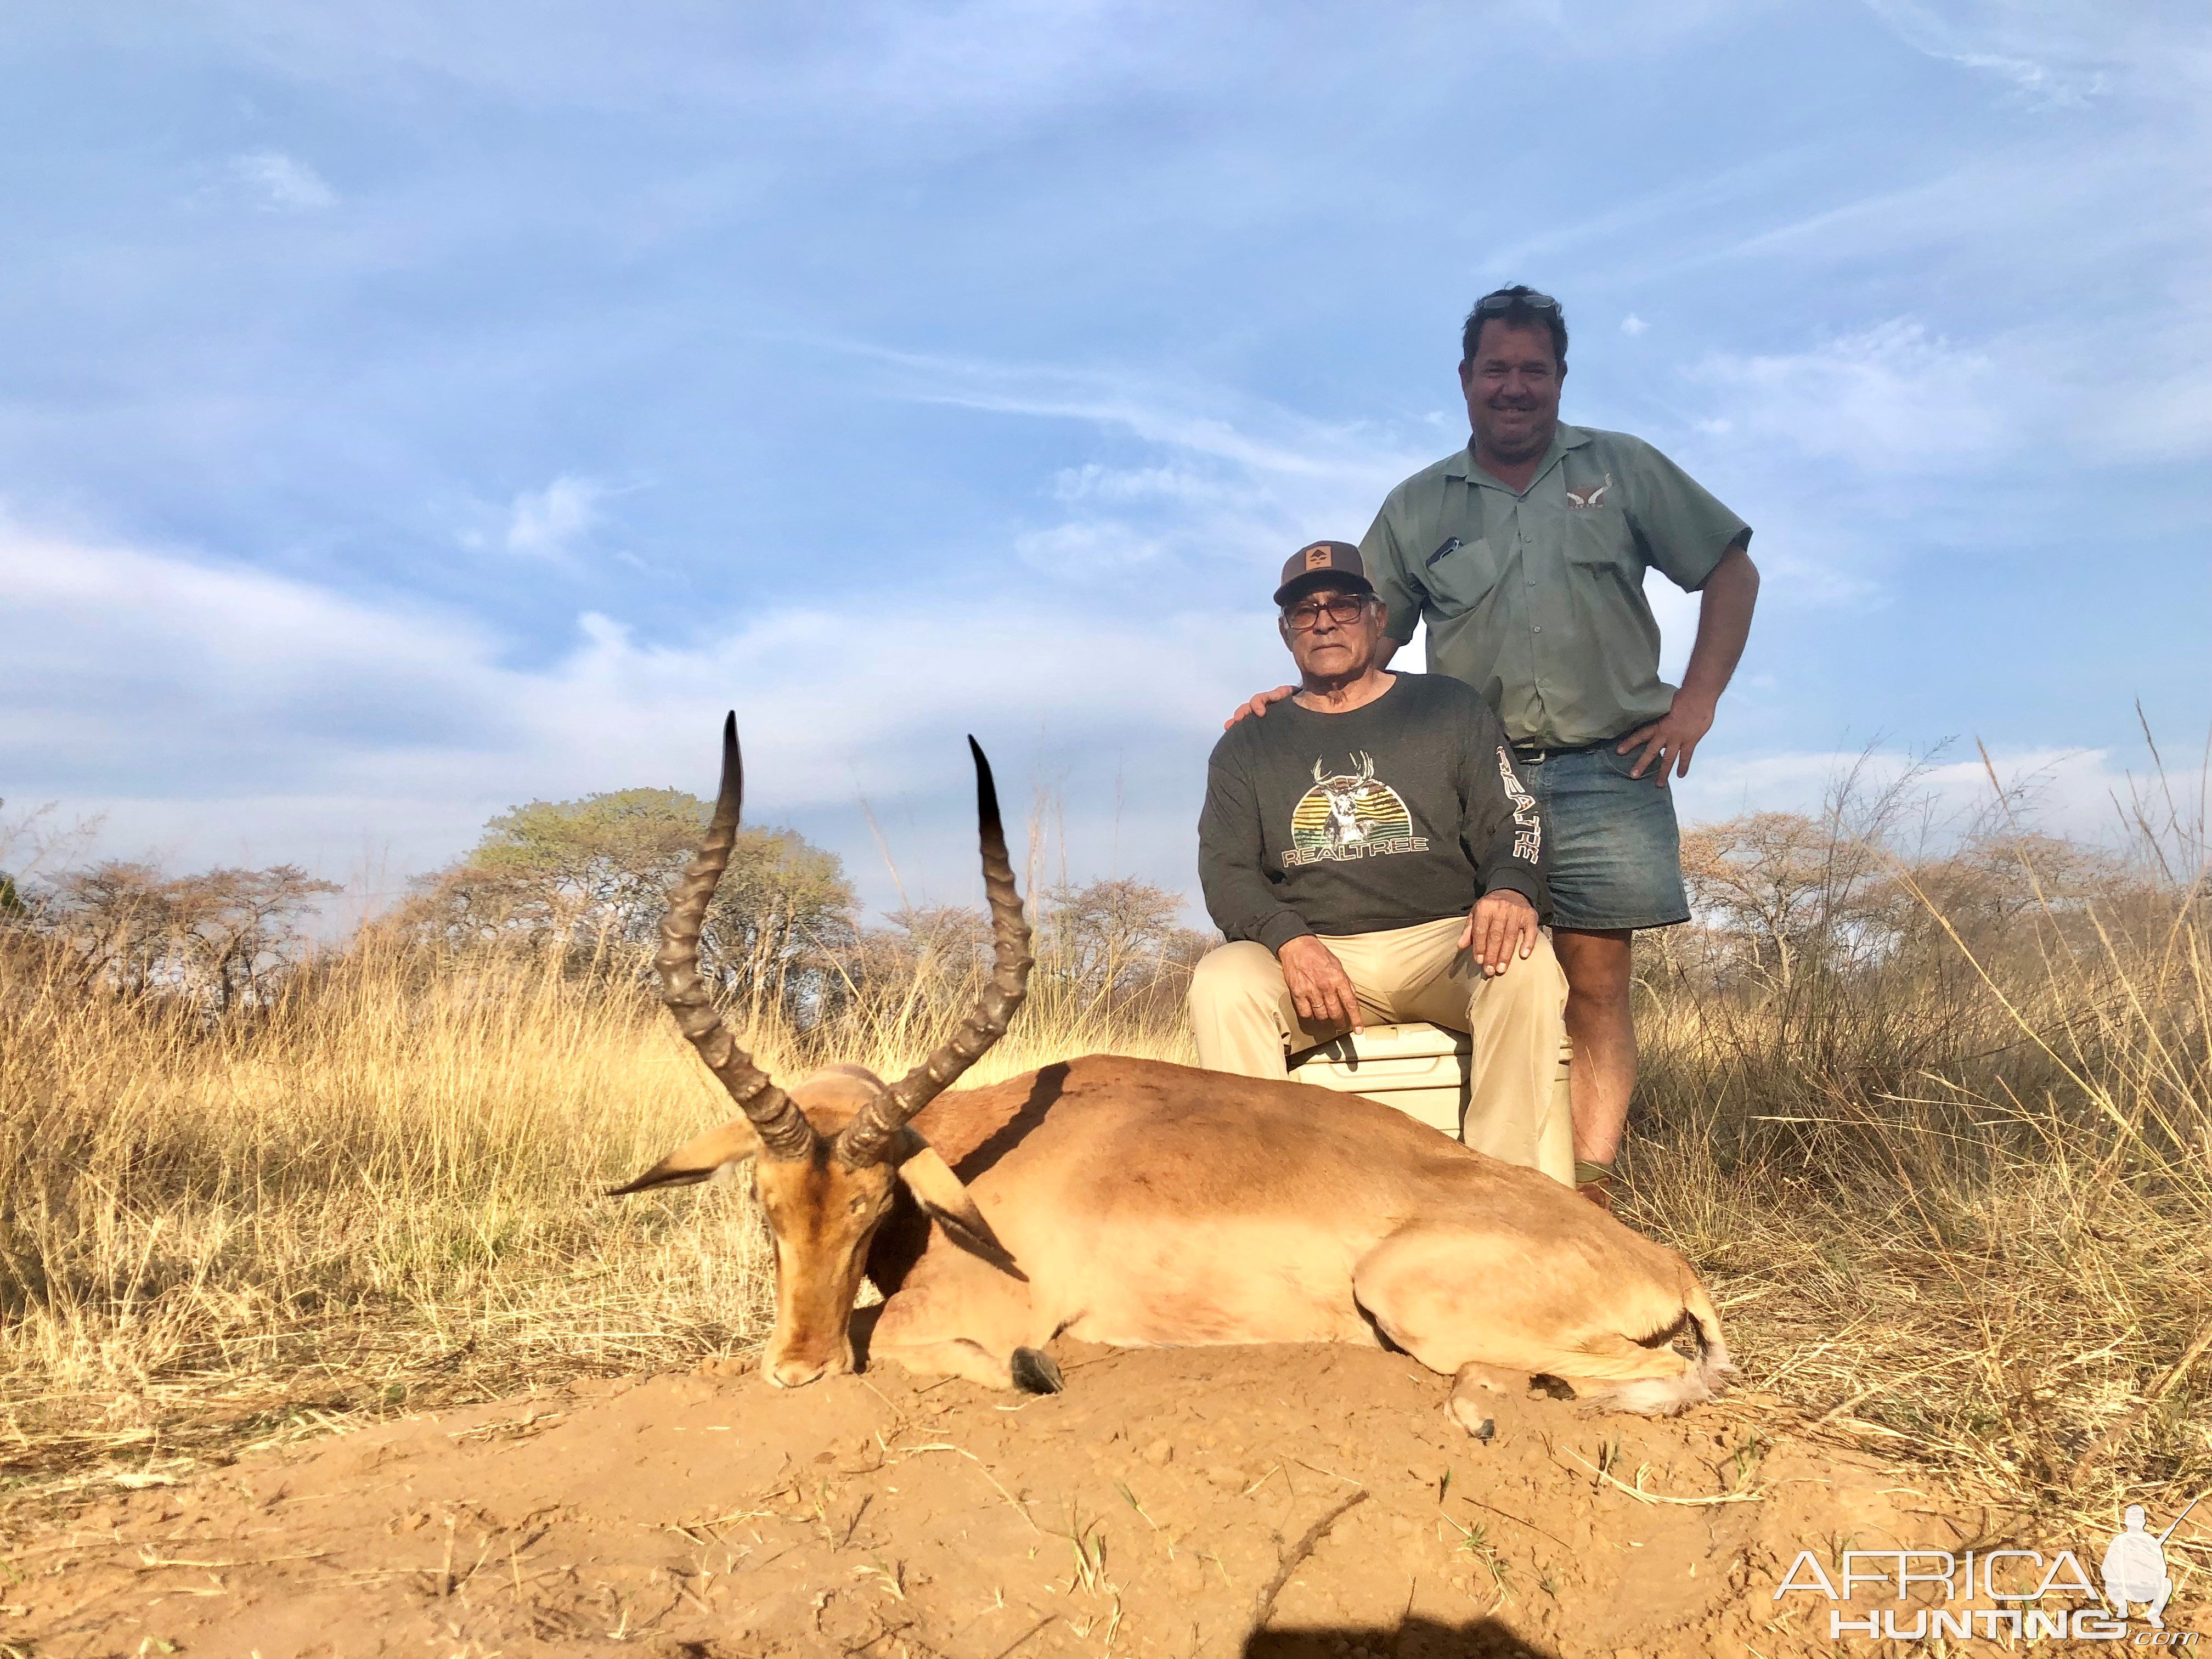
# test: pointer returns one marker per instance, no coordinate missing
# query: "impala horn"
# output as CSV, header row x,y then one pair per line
x,y
784,1133
867,1139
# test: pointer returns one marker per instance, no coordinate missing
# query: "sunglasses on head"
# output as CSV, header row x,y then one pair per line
x,y
1491,304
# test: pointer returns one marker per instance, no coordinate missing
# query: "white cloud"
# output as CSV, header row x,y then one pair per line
x,y
282,183
2080,792
1235,480
1676,613
549,523
1086,547
1183,484
1206,421
1893,398
1633,325
2054,54
217,713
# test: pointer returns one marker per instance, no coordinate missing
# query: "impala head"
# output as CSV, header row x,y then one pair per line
x,y
827,1157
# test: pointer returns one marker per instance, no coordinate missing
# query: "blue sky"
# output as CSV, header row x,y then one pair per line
x,y
414,410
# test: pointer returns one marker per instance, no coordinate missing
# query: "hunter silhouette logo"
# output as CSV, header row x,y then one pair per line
x,y
1590,498
1349,815
2134,1566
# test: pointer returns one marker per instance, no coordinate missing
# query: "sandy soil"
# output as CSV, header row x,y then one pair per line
x,y
1261,1501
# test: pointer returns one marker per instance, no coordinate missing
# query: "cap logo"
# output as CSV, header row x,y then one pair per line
x,y
1319,558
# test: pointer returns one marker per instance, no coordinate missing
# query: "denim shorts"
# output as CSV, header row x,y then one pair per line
x,y
1612,852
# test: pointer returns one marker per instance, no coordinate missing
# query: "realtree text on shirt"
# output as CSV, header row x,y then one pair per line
x,y
1405,811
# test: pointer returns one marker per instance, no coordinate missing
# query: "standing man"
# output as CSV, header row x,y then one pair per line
x,y
1524,554
1370,852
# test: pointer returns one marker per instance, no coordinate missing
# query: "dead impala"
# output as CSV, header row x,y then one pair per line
x,y
1136,1203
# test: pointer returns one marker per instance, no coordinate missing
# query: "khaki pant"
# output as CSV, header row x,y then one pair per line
x,y
1241,1014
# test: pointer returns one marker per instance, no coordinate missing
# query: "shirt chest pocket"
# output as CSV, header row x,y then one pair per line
x,y
1459,575
1598,535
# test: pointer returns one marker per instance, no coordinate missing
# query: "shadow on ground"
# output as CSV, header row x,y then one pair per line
x,y
1413,1638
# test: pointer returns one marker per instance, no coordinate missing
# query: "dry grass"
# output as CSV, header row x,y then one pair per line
x,y
1960,1209
384,1193
1965,1219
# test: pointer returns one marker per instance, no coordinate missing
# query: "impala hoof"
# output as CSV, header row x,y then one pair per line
x,y
1034,1372
1468,1417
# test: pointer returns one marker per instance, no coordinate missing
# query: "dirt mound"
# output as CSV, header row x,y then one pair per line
x,y
1311,1500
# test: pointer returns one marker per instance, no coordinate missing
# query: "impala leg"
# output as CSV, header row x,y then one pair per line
x,y
1476,1391
1423,1291
1648,1378
955,1357
1470,1302
957,1316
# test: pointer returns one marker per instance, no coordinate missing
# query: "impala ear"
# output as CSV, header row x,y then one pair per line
x,y
938,1191
696,1160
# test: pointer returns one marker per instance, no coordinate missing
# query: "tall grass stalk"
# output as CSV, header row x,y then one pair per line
x,y
1961,1201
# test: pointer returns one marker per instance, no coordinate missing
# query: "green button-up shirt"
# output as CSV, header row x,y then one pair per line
x,y
1536,600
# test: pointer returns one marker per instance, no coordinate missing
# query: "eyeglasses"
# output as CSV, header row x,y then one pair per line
x,y
1344,609
1491,304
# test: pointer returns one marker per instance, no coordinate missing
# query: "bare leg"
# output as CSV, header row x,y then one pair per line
x,y
1602,1024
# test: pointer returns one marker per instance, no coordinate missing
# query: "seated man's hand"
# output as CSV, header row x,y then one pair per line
x,y
1501,926
1319,988
1259,706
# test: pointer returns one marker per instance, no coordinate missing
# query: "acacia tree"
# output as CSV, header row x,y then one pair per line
x,y
221,938
1112,939
1787,890
588,875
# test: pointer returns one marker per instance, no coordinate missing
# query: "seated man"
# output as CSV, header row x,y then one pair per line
x,y
1371,855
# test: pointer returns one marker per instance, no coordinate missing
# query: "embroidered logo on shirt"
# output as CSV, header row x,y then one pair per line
x,y
1528,840
1349,815
1590,498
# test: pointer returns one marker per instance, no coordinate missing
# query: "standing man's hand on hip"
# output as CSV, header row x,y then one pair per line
x,y
1671,739
1724,608
1319,988
1501,926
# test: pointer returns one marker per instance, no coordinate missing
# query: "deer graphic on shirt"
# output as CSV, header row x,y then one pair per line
x,y
1344,791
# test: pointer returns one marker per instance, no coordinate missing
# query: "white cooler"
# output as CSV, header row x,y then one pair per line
x,y
1422,1070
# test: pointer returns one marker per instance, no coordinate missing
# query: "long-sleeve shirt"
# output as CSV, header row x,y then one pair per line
x,y
1404,810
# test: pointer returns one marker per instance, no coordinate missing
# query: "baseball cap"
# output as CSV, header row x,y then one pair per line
x,y
1318,562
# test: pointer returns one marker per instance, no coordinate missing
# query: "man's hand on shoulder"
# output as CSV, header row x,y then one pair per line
x,y
1501,926
1319,988
1259,704
1671,739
